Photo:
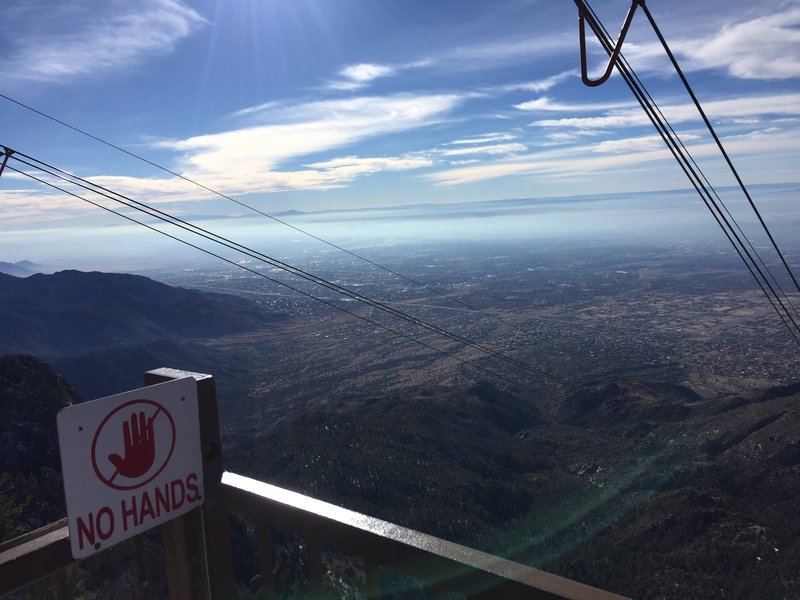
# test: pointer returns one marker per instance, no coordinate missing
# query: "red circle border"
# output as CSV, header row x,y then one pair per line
x,y
97,472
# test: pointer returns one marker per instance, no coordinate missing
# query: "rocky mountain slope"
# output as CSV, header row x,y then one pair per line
x,y
31,394
641,488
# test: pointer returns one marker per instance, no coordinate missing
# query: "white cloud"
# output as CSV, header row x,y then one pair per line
x,y
22,206
486,171
564,137
638,144
584,162
360,75
769,140
324,175
255,159
540,104
490,149
570,137
766,47
256,109
478,56
748,107
626,119
741,121
154,189
344,85
538,86
549,163
763,48
365,72
348,168
468,57
484,138
305,129
98,42
544,104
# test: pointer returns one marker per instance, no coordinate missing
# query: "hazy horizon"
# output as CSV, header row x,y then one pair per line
x,y
664,217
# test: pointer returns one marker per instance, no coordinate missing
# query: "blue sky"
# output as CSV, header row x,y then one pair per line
x,y
329,104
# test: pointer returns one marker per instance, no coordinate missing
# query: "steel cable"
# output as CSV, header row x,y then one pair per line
x,y
680,153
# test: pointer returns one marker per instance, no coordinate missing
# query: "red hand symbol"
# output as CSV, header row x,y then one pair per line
x,y
140,447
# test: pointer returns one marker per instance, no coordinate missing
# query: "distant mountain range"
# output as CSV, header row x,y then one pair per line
x,y
72,312
22,268
477,207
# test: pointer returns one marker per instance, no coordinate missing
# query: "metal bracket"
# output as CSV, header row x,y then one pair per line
x,y
582,13
7,152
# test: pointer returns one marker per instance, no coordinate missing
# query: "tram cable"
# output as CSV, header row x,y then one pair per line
x,y
692,171
713,133
640,90
680,153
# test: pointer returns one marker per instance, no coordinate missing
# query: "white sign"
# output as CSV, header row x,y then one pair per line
x,y
130,462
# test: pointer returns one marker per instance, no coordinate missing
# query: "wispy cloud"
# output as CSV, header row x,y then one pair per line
x,y
96,42
357,76
348,168
766,48
557,138
492,149
22,206
259,158
366,72
256,109
307,128
763,48
539,86
483,55
748,107
484,138
613,160
467,57
638,144
262,158
477,56
544,104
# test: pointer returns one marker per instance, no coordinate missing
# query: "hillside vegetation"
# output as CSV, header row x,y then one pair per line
x,y
641,488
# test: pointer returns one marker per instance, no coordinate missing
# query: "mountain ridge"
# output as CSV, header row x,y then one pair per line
x,y
71,312
21,268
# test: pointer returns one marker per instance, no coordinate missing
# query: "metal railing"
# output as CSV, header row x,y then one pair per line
x,y
441,566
